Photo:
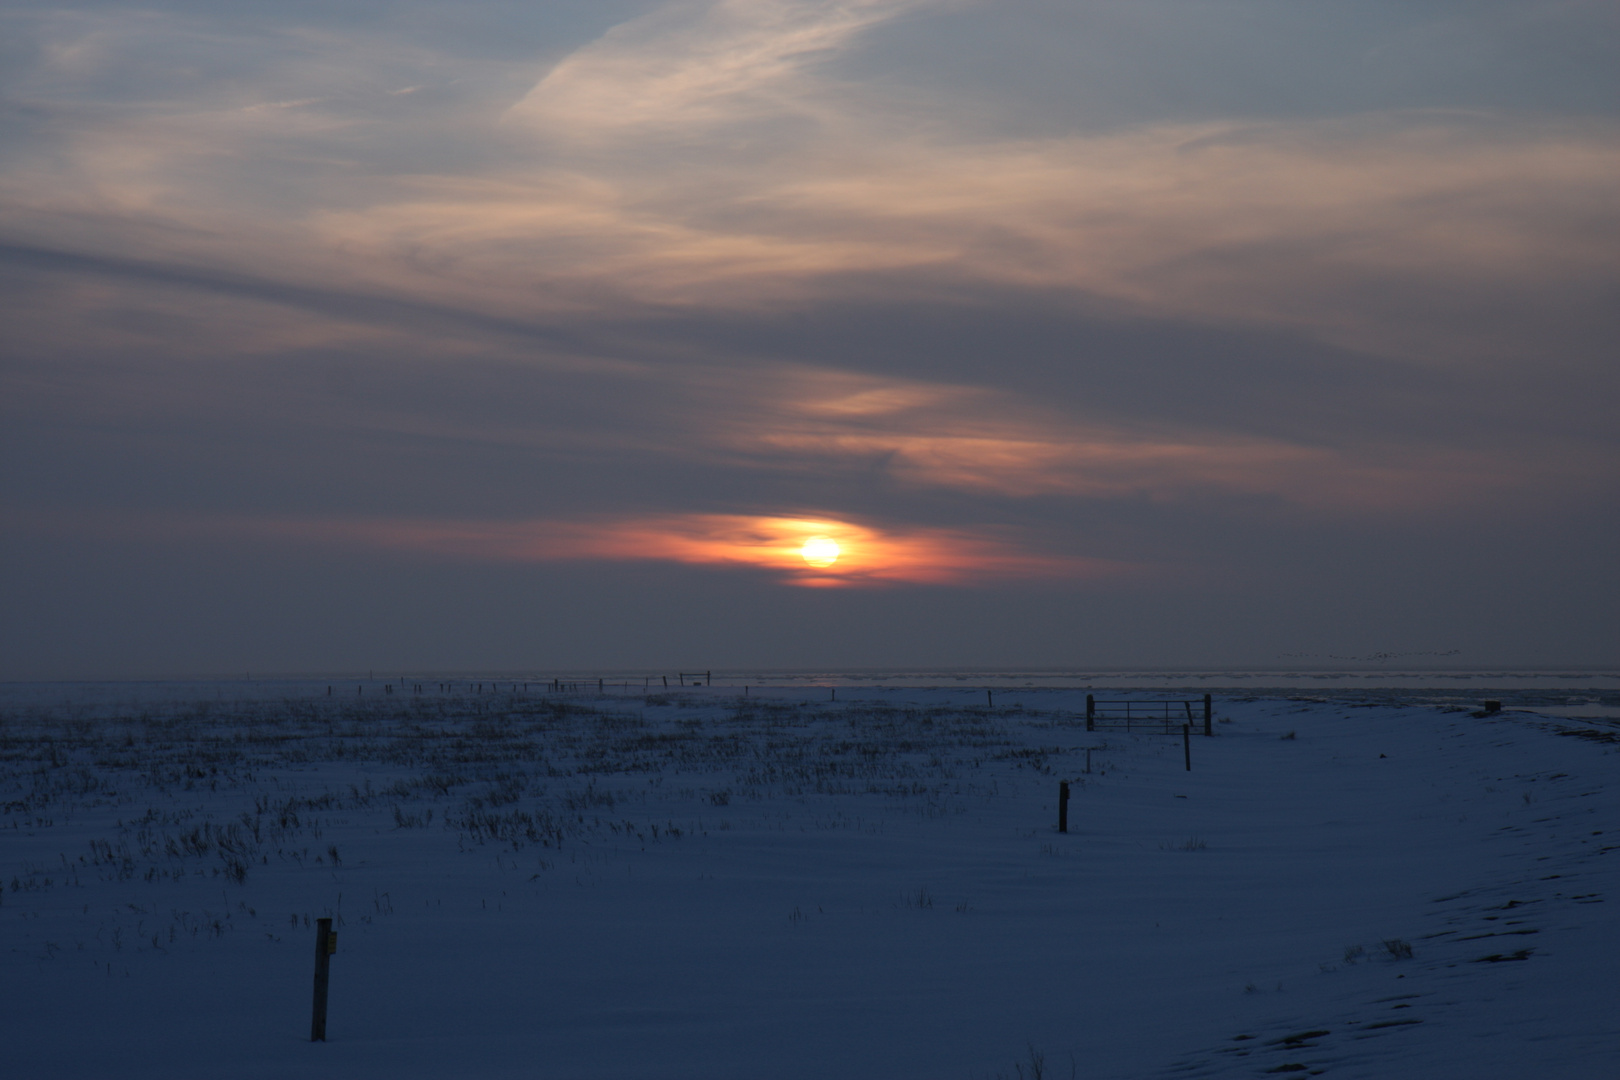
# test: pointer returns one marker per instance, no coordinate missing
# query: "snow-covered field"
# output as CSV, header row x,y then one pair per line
x,y
693,884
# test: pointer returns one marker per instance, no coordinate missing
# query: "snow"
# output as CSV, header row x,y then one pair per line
x,y
694,884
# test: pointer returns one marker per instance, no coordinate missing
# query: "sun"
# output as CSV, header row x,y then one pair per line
x,y
820,551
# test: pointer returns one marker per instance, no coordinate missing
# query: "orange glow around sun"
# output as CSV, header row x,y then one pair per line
x,y
812,552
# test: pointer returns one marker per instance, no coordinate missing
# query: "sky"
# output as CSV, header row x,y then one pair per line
x,y
546,335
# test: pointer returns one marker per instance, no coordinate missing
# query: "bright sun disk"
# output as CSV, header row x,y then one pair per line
x,y
820,551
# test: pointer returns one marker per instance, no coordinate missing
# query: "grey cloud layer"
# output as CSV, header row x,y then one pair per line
x,y
759,256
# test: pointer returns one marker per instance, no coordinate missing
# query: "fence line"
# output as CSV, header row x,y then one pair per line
x,y
1129,715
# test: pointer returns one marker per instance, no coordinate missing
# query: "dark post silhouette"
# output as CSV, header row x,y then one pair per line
x,y
1063,806
1186,744
1091,713
325,946
1209,715
990,699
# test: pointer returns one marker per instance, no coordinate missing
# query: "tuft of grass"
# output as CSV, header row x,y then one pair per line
x,y
1036,1065
1192,843
1398,949
1290,735
1352,953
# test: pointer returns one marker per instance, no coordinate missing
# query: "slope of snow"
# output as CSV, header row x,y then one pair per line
x,y
694,884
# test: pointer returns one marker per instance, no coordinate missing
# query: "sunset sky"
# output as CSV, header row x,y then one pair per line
x,y
546,335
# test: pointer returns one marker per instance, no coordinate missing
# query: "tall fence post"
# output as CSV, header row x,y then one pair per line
x,y
325,946
1186,744
1091,713
1063,806
1209,714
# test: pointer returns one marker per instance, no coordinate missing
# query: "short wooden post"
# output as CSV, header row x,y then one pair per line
x,y
990,699
1186,744
708,678
1091,713
666,682
325,946
1063,806
1209,715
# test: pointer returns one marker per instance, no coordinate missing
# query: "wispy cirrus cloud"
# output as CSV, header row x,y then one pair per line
x,y
703,156
687,67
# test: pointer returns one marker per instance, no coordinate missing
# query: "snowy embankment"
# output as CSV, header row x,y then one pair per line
x,y
693,885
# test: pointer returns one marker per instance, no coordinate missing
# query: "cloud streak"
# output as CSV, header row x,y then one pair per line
x,y
687,66
867,555
703,157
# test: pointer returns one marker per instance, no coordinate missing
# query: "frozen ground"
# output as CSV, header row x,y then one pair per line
x,y
695,885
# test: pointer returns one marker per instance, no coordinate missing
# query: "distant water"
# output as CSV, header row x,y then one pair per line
x,y
1573,692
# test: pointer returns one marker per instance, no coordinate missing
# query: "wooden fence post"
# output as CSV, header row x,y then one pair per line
x,y
1209,713
1063,806
990,699
325,946
1091,713
1186,744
